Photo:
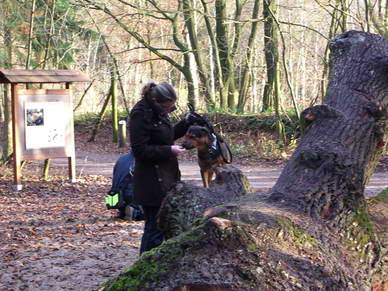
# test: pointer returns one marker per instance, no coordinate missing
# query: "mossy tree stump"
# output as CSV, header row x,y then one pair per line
x,y
312,230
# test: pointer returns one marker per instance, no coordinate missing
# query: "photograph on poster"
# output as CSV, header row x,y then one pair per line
x,y
35,117
45,124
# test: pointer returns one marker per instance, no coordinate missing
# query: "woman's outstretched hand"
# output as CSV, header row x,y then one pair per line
x,y
177,149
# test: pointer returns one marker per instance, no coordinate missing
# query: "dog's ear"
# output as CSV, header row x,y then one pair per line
x,y
205,131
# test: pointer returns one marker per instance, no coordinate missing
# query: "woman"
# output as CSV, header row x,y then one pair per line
x,y
152,140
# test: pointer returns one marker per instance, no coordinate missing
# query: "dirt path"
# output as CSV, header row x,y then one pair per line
x,y
261,177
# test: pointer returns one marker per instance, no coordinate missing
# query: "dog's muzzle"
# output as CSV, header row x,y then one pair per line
x,y
187,146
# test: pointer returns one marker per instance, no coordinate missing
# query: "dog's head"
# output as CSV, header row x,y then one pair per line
x,y
196,137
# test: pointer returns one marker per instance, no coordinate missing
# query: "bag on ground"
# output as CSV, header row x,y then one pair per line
x,y
120,195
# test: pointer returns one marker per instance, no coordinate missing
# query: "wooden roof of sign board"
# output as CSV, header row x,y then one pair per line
x,y
42,76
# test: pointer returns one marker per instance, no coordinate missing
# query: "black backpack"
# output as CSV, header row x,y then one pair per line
x,y
120,195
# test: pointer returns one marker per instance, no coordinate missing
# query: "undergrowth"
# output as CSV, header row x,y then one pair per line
x,y
249,136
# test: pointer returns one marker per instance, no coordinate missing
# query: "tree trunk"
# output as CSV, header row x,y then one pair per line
x,y
219,83
271,98
6,140
190,23
337,21
367,12
187,202
30,35
271,53
312,230
346,136
115,113
189,81
101,115
385,17
223,50
83,96
343,18
243,96
50,34
6,144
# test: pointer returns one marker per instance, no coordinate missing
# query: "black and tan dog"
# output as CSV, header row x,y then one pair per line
x,y
209,152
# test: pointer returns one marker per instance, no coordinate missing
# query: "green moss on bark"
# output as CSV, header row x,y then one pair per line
x,y
298,236
153,264
360,235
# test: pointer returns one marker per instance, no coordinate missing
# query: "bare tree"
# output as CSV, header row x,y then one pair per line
x,y
225,31
156,12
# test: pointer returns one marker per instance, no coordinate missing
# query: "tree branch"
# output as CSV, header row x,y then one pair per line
x,y
305,26
137,36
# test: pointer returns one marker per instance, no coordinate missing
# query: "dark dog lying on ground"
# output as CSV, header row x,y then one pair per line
x,y
208,148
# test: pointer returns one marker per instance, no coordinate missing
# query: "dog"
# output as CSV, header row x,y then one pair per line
x,y
208,149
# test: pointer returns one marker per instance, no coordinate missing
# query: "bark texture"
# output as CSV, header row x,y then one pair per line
x,y
312,230
187,203
345,137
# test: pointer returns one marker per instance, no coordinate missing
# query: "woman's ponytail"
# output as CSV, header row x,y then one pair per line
x,y
147,89
162,92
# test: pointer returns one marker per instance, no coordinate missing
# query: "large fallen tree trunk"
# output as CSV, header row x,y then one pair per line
x,y
187,203
312,230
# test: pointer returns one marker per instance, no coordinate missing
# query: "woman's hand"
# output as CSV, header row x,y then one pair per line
x,y
176,149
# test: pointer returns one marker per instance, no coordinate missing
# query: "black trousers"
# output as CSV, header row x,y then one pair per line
x,y
152,236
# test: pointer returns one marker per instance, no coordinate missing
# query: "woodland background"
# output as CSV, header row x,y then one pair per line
x,y
249,66
238,57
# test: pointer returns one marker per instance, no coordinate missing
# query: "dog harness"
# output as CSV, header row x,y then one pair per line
x,y
214,149
219,147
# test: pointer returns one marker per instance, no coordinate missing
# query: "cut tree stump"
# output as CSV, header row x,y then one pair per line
x,y
312,230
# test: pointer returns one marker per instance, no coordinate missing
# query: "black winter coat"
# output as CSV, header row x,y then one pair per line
x,y
156,167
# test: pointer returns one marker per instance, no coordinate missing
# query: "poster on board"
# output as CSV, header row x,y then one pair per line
x,y
45,124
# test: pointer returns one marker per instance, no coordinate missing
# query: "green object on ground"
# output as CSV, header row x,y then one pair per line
x,y
112,200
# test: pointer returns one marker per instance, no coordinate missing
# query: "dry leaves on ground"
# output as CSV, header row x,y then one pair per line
x,y
58,235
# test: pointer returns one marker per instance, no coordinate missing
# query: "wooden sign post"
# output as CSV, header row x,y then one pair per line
x,y
42,119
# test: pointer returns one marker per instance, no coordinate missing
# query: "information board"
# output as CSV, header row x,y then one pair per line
x,y
45,121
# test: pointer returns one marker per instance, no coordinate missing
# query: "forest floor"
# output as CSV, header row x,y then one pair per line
x,y
57,235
